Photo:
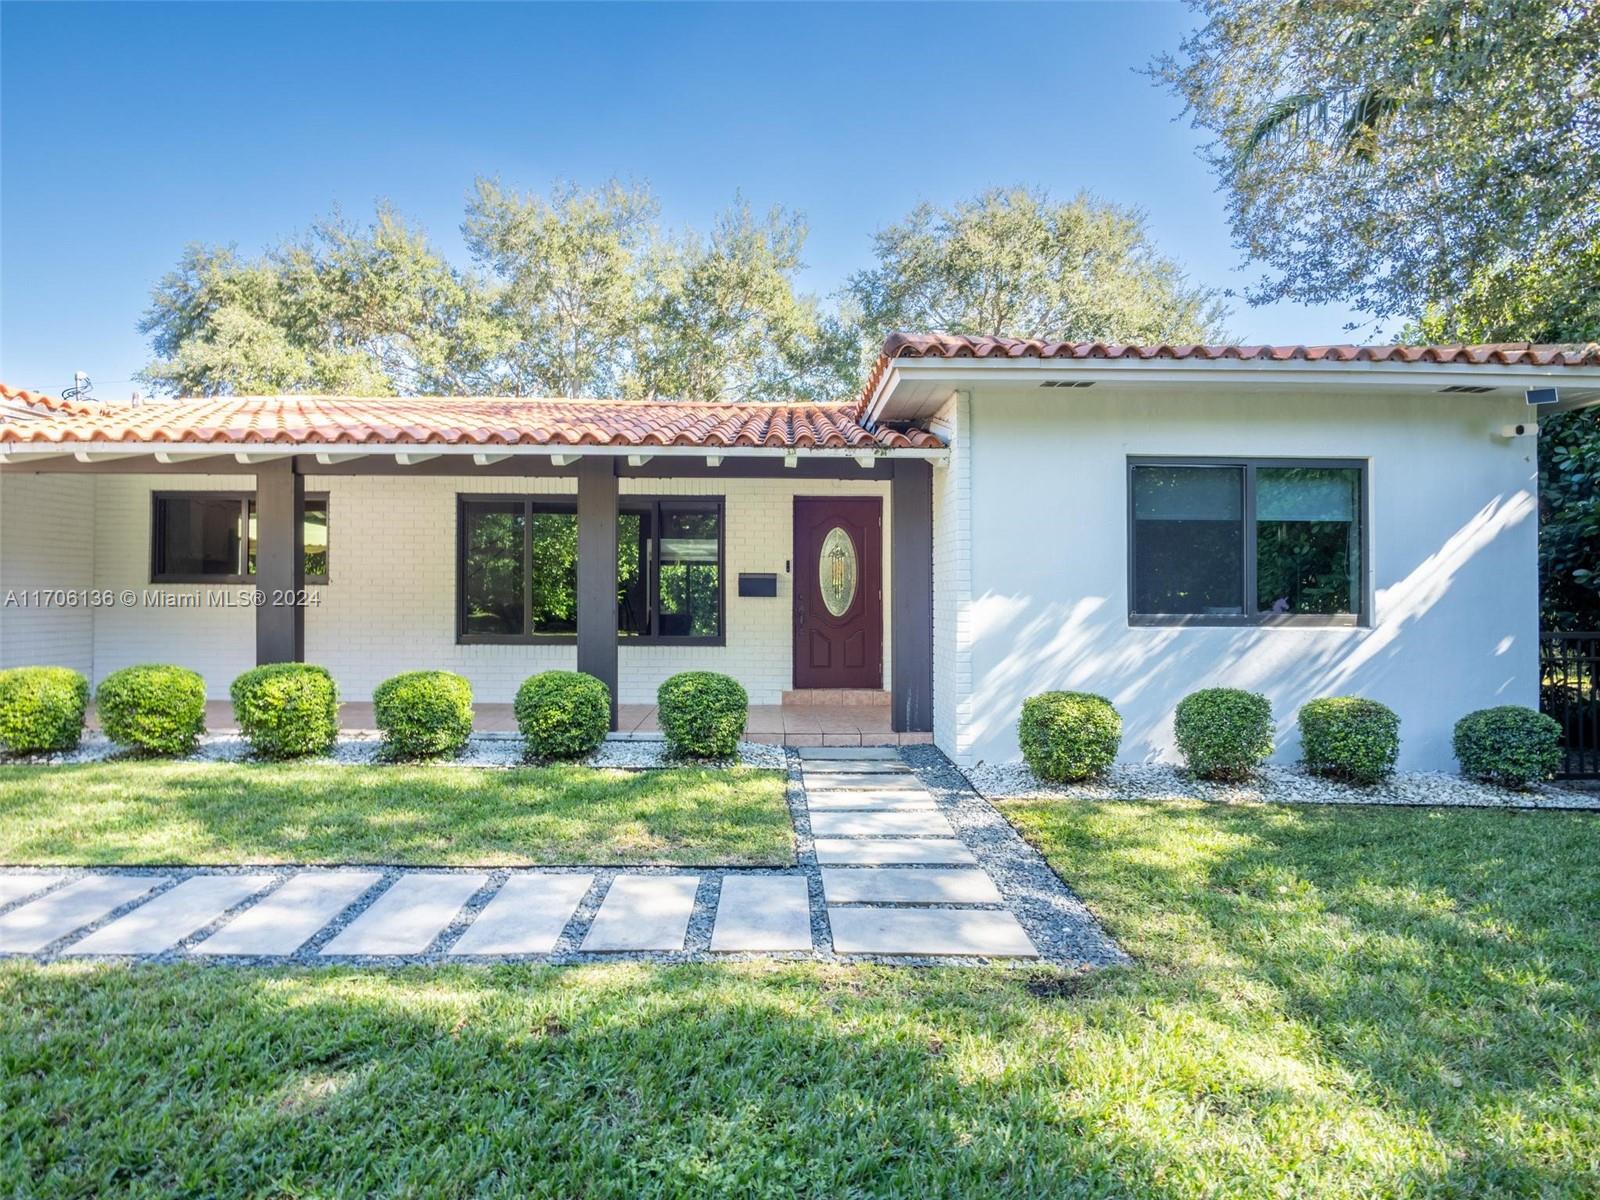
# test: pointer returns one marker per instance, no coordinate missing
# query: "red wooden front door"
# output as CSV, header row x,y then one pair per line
x,y
838,592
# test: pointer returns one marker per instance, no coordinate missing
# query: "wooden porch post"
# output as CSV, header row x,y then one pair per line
x,y
911,596
280,562
597,572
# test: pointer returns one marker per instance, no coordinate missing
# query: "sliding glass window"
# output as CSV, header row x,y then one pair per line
x,y
517,570
1247,542
210,537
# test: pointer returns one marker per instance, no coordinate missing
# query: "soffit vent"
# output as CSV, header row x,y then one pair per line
x,y
1067,383
1471,389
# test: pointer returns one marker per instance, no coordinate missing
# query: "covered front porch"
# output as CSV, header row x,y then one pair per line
x,y
828,722
804,572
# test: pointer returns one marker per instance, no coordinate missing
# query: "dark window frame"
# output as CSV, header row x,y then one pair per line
x,y
1361,619
568,503
244,500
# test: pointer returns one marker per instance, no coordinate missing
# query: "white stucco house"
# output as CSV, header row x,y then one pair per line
x,y
990,519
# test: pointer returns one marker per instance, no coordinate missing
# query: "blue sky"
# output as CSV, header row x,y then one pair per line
x,y
130,130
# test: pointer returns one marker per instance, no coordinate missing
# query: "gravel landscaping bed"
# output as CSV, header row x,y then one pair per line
x,y
1274,784
502,750
1061,927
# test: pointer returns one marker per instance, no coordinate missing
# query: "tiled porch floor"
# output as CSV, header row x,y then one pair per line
x,y
775,724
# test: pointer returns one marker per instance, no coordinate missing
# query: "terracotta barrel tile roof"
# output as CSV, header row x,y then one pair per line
x,y
949,345
943,345
452,421
19,404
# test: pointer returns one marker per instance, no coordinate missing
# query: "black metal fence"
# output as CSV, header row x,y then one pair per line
x,y
1569,691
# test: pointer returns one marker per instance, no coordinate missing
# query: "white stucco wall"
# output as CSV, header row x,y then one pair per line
x,y
47,545
390,603
1454,562
952,581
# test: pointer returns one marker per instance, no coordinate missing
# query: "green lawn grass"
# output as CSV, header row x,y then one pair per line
x,y
1325,1003
184,812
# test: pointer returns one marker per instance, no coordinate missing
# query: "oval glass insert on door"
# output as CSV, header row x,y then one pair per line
x,y
836,571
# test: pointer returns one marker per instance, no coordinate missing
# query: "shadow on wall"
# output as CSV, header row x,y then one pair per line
x,y
1430,673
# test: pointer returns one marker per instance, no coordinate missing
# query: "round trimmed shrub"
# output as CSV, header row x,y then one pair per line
x,y
1512,746
423,714
563,714
1068,736
702,713
41,709
1349,739
1224,733
154,708
286,710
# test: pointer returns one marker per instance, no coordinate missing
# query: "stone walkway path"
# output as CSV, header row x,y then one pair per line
x,y
889,867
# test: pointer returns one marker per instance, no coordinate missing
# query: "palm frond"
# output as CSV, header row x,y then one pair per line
x,y
1286,111
1372,110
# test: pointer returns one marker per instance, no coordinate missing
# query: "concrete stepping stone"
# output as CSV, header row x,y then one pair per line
x,y
854,800
986,932
171,916
644,912
526,916
908,885
286,920
881,824
855,753
762,912
82,902
833,780
15,887
407,917
874,852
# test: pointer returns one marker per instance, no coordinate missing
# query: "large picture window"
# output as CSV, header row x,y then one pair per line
x,y
210,537
517,570
1251,541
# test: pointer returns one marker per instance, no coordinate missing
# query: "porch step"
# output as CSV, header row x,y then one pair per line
x,y
864,753
848,697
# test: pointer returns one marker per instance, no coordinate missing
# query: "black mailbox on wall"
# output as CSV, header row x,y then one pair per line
x,y
757,585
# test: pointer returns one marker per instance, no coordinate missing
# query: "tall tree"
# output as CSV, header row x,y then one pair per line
x,y
571,289
1014,263
577,294
1385,154
725,319
369,310
1548,300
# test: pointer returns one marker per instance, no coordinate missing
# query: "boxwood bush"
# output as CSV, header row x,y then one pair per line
x,y
41,709
702,713
1068,736
1512,746
1224,733
154,708
423,714
563,714
1350,739
286,710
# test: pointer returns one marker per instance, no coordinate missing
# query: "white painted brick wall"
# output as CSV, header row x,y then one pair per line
x,y
758,537
952,582
390,603
218,642
46,542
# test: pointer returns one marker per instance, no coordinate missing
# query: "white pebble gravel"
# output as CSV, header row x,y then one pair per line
x,y
364,749
649,754
1275,784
